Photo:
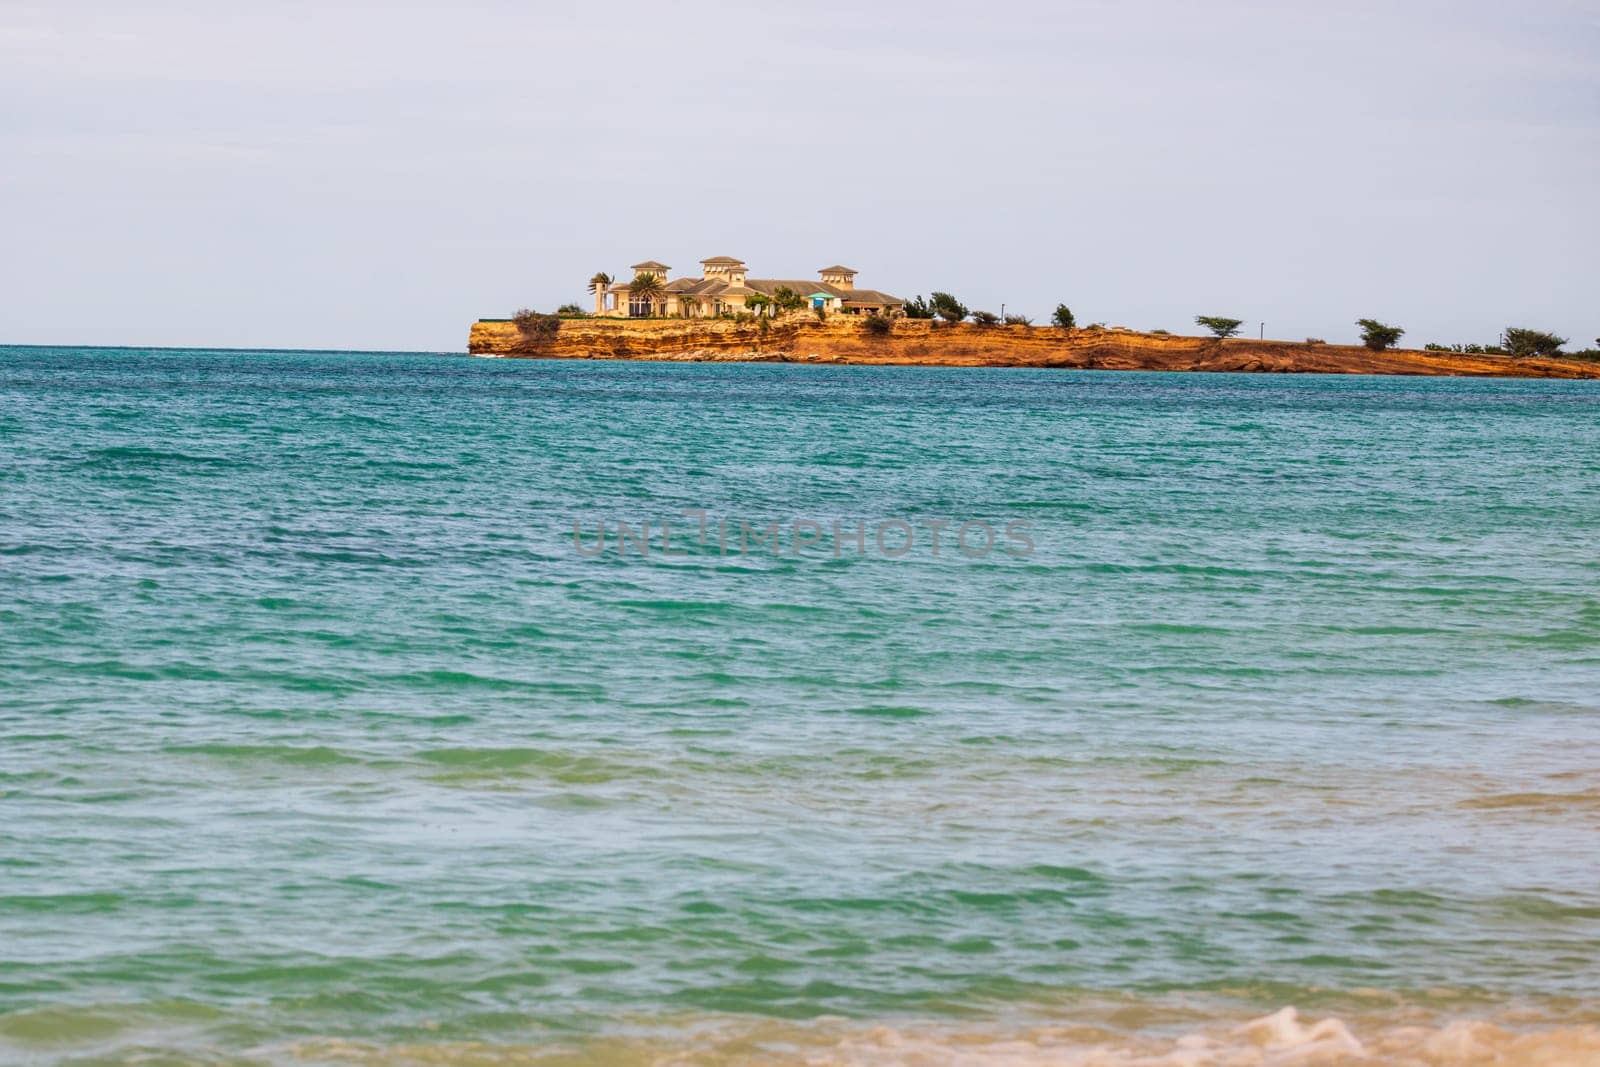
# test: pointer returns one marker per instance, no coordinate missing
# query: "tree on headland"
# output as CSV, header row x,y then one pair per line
x,y
536,327
758,303
646,287
690,304
1063,317
569,309
918,308
1524,343
947,307
1018,320
1379,336
1217,324
601,278
786,299
985,318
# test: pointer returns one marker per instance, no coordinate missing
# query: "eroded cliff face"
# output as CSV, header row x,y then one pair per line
x,y
802,339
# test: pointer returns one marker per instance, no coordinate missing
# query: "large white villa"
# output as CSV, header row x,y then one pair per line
x,y
724,286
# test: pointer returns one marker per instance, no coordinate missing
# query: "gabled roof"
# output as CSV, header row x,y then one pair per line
x,y
769,286
836,269
650,265
699,286
870,297
722,261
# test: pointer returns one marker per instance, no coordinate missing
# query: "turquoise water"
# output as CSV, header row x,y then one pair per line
x,y
320,740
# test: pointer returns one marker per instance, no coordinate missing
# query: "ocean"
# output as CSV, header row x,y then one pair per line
x,y
391,708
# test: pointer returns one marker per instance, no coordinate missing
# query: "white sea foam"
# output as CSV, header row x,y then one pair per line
x,y
1281,1039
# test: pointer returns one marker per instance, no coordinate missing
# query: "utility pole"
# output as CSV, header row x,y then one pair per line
x,y
1263,336
1002,312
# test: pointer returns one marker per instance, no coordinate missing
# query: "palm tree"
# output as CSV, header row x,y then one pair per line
x,y
690,305
600,280
646,287
757,303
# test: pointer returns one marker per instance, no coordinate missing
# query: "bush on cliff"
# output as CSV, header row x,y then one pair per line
x,y
1063,317
1524,343
985,318
1469,350
1219,325
947,307
918,308
1018,320
877,325
536,328
1379,336
786,299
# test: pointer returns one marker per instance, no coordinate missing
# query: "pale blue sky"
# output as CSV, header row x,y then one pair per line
x,y
330,174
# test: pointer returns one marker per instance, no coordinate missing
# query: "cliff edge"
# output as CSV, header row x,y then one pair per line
x,y
922,342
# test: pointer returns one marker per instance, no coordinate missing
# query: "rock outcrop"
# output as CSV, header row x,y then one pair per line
x,y
842,339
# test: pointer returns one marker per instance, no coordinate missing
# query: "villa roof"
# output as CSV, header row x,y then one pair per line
x,y
650,264
768,286
837,270
722,261
803,286
870,297
699,286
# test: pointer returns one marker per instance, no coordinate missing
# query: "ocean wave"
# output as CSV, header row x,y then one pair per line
x,y
1281,1039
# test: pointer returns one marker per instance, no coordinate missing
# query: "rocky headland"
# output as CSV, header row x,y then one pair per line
x,y
802,338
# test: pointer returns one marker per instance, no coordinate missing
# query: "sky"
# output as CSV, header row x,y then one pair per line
x,y
333,174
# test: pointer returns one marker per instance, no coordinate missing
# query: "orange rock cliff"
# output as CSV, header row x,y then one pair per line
x,y
843,339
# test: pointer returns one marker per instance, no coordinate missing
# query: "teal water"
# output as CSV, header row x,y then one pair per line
x,y
318,738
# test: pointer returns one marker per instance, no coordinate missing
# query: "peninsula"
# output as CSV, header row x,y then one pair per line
x,y
726,315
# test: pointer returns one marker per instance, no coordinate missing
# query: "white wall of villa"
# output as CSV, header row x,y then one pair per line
x,y
724,286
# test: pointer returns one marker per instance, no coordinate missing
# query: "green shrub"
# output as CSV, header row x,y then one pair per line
x,y
1162,333
1315,341
985,318
1379,336
918,308
947,307
877,325
1217,324
1018,320
786,299
1524,343
535,327
1063,317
